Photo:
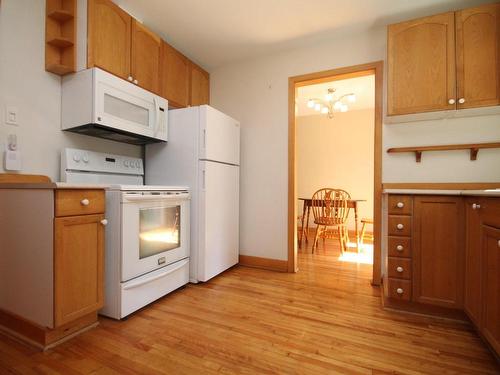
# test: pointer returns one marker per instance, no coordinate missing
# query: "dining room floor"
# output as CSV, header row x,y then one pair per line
x,y
325,319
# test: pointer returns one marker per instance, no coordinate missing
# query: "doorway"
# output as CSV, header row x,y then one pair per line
x,y
371,69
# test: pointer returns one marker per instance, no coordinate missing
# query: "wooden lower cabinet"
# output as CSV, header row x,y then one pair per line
x,y
451,261
78,267
490,274
438,251
58,269
472,284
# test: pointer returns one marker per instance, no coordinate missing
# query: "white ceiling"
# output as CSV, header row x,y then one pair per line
x,y
362,87
215,32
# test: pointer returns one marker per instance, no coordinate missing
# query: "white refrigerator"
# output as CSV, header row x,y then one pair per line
x,y
203,152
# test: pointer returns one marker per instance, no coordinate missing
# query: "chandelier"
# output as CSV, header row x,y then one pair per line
x,y
331,103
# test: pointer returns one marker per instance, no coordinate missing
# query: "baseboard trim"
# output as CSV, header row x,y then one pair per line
x,y
264,263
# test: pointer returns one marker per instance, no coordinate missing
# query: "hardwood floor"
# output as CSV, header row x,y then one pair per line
x,y
326,319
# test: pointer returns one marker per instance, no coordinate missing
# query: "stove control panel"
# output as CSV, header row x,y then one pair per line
x,y
90,161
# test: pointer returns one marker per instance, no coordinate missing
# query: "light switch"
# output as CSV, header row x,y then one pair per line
x,y
11,116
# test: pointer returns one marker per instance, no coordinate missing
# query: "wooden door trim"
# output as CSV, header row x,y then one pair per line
x,y
375,68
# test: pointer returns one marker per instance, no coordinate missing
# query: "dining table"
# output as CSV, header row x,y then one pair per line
x,y
306,211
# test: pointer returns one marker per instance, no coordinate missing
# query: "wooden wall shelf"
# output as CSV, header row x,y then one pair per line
x,y
473,147
60,36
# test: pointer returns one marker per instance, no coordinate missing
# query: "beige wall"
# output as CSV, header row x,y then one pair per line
x,y
25,84
256,93
337,153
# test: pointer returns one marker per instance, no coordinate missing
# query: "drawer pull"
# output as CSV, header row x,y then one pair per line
x,y
85,202
400,226
476,206
400,204
399,269
399,291
104,222
399,248
498,243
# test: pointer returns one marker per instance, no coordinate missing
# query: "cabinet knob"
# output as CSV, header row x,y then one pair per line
x,y
399,248
400,226
85,202
400,204
461,100
104,222
476,206
136,81
130,78
498,243
451,101
399,269
399,291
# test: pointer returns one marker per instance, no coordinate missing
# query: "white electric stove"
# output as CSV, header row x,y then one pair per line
x,y
147,236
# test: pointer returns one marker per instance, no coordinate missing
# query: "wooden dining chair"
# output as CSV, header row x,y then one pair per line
x,y
330,213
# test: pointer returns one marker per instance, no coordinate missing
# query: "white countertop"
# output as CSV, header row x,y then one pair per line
x,y
487,193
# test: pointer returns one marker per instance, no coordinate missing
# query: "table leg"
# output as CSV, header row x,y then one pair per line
x,y
302,225
356,225
307,223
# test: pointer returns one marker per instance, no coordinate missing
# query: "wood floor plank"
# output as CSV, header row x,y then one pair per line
x,y
325,319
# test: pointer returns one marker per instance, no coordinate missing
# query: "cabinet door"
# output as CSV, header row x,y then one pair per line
x,y
421,63
491,285
438,251
145,58
109,30
200,86
472,285
78,267
478,56
174,73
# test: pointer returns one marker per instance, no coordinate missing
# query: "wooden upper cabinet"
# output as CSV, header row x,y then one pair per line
x,y
438,251
200,86
421,63
109,29
478,56
78,267
174,76
145,57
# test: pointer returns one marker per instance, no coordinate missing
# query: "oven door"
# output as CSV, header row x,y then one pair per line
x,y
155,232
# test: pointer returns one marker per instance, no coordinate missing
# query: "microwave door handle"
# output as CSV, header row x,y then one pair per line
x,y
157,116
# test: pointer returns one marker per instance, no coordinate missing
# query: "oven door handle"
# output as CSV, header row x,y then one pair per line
x,y
155,198
181,264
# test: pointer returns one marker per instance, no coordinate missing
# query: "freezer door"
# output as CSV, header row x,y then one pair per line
x,y
218,245
219,136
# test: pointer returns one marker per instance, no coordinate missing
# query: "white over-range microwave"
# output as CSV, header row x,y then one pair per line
x,y
97,103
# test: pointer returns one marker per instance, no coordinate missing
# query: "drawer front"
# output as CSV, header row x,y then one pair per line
x,y
399,247
399,289
79,202
400,205
399,268
399,225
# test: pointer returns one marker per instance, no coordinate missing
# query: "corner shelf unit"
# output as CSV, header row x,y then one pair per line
x,y
473,147
60,36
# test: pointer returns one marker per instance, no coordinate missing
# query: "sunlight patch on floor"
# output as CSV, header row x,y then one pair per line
x,y
365,255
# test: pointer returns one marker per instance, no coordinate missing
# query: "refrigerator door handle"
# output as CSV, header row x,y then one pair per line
x,y
203,180
204,138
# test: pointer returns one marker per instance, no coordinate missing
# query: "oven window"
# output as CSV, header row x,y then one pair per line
x,y
159,230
